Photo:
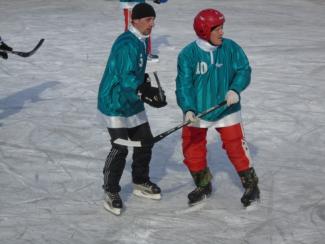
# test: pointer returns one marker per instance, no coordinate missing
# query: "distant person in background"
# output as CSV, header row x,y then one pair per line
x,y
210,70
122,92
4,48
127,6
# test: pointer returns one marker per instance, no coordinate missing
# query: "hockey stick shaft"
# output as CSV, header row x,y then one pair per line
x,y
166,133
185,123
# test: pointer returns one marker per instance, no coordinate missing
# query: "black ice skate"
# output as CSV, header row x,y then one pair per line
x,y
199,194
249,180
153,58
113,203
147,190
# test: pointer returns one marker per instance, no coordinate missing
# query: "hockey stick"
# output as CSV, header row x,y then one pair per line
x,y
161,136
30,53
160,90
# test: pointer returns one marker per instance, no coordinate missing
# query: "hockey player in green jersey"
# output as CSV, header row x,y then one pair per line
x,y
123,88
127,6
210,70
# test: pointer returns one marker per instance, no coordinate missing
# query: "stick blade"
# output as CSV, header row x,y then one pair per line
x,y
128,143
30,53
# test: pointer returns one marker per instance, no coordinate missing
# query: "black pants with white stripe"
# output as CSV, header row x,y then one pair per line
x,y
115,161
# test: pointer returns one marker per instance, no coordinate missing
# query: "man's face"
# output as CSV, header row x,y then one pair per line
x,y
144,25
216,35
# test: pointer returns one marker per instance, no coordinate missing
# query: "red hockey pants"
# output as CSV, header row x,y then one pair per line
x,y
232,137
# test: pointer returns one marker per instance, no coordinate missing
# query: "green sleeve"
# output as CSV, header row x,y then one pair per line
x,y
242,69
185,93
127,68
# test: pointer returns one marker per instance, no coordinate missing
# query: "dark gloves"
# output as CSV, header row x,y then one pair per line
x,y
4,55
153,96
146,83
5,47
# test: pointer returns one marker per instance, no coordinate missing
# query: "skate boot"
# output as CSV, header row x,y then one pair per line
x,y
249,180
199,194
147,190
113,203
203,186
153,58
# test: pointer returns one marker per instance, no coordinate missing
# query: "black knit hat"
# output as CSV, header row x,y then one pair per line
x,y
143,10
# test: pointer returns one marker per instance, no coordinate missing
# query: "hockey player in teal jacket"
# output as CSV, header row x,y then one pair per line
x,y
123,88
210,70
123,75
127,6
215,71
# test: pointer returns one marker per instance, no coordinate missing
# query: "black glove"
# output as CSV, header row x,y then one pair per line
x,y
151,95
146,82
4,55
5,47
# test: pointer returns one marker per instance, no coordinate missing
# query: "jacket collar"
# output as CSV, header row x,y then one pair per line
x,y
206,46
137,33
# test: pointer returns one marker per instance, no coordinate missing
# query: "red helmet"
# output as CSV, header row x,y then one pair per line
x,y
205,20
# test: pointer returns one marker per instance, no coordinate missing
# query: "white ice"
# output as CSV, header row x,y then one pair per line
x,y
52,150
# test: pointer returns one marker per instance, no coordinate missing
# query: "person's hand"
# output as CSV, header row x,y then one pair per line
x,y
151,96
232,97
5,47
4,55
190,116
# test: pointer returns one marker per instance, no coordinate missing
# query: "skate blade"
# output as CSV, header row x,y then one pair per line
x,y
155,60
146,195
191,208
253,205
198,202
116,211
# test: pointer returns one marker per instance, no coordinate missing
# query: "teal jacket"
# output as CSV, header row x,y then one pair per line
x,y
117,94
205,73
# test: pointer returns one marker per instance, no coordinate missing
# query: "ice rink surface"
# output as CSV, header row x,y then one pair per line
x,y
52,148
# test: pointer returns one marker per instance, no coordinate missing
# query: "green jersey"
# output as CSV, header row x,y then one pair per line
x,y
117,95
206,73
